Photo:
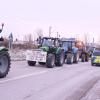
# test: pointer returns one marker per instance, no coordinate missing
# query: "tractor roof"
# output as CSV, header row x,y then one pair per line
x,y
50,38
68,39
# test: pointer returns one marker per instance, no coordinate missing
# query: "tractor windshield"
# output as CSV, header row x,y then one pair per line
x,y
67,44
47,42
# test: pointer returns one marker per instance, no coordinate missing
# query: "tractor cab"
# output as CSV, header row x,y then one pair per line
x,y
49,44
67,44
49,41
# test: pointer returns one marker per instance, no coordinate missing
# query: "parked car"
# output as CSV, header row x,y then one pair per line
x,y
95,59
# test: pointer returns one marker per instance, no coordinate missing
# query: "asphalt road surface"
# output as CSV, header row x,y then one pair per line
x,y
70,82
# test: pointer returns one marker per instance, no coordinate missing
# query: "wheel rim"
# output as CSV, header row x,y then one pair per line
x,y
3,64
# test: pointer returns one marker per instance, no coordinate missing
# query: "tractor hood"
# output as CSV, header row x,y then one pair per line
x,y
44,48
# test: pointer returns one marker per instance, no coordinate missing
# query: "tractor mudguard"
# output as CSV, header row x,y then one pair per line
x,y
75,50
59,50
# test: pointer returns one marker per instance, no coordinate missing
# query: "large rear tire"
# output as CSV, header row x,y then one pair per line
x,y
31,63
4,63
76,58
50,60
83,58
70,58
60,59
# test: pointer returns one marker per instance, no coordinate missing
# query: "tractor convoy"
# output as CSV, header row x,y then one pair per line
x,y
50,52
54,52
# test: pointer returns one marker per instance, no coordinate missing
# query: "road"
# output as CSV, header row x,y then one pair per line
x,y
70,82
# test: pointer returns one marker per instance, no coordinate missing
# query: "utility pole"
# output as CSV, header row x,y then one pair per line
x,y
50,31
93,41
57,35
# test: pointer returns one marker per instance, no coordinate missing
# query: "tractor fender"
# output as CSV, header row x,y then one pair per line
x,y
75,50
59,50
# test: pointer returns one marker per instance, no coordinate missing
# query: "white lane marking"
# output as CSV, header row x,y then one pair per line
x,y
21,77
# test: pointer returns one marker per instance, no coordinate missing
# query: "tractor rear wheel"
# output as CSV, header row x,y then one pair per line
x,y
70,58
4,63
76,58
50,60
60,59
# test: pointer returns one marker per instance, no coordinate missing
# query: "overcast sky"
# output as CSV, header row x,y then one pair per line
x,y
68,17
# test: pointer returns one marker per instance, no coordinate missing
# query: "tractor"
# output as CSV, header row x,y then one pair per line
x,y
4,58
49,53
83,51
70,50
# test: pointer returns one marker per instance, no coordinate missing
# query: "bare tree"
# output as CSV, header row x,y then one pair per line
x,y
28,38
39,33
86,38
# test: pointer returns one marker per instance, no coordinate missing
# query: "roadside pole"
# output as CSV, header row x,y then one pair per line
x,y
10,41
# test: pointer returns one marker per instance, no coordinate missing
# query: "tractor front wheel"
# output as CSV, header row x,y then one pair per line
x,y
31,63
60,59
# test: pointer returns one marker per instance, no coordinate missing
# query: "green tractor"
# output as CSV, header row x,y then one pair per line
x,y
4,58
49,53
